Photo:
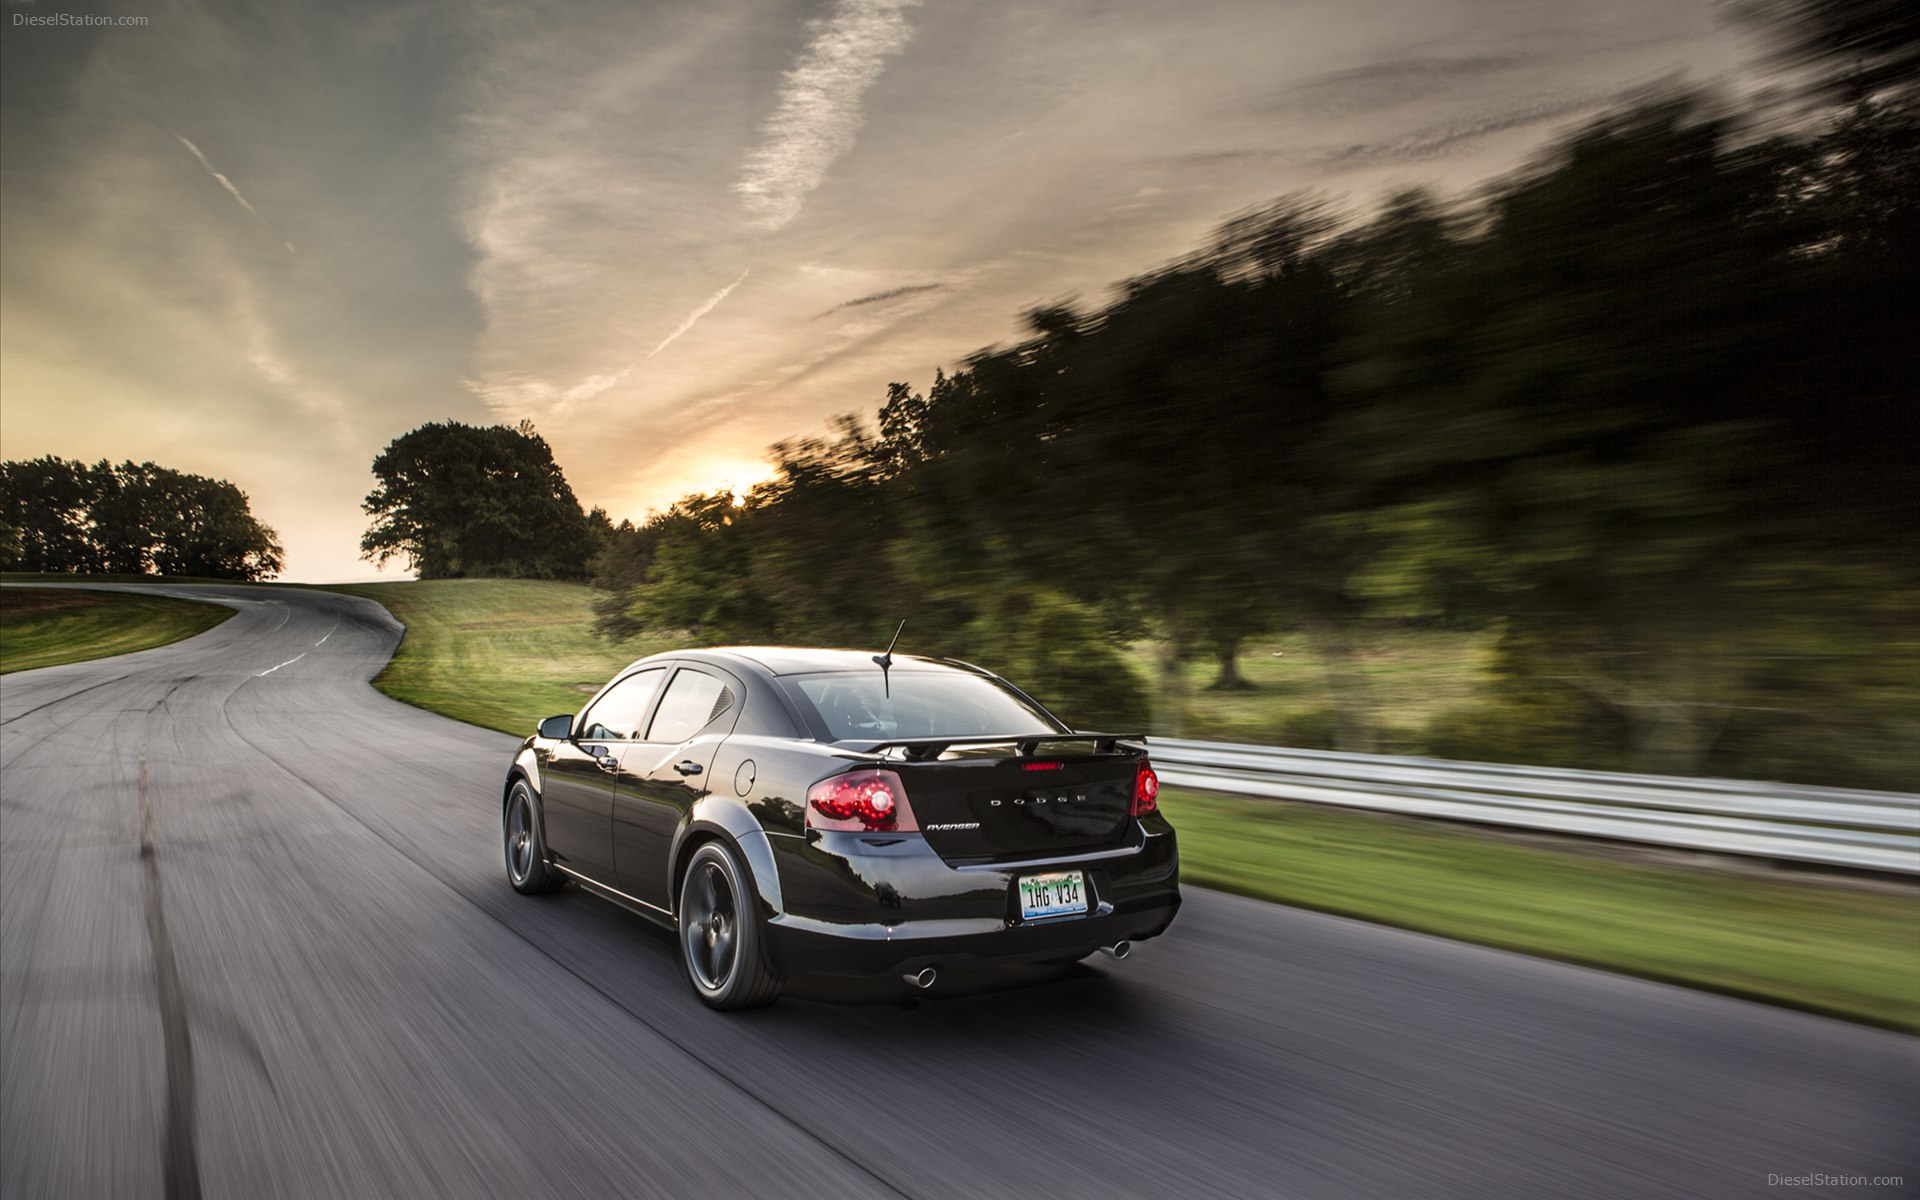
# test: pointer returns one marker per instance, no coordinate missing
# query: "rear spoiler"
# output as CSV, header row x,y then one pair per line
x,y
1026,744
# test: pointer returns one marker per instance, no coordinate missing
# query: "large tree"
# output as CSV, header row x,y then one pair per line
x,y
460,500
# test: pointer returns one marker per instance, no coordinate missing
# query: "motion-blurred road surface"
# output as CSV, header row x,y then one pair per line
x,y
256,941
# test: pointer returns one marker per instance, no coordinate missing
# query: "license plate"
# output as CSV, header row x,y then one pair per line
x,y
1053,895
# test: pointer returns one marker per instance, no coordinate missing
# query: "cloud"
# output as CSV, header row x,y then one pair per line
x,y
328,412
889,294
1457,136
847,340
1387,84
818,113
712,302
521,394
537,395
1540,56
233,191
1440,140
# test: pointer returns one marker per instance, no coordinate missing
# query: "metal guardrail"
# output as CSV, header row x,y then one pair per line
x,y
1877,831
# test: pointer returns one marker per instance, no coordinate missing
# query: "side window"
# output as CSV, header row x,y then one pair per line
x,y
693,700
617,715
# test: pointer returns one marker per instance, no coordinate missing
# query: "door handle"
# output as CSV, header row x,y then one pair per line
x,y
688,767
607,763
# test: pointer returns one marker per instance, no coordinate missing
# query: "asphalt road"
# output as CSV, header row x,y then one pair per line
x,y
255,940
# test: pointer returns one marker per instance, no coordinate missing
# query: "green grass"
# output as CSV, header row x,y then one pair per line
x,y
504,653
1829,947
45,627
501,653
1411,676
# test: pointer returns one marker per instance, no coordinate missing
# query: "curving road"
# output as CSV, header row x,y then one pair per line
x,y
255,941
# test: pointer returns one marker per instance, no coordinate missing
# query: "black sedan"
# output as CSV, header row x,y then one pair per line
x,y
832,812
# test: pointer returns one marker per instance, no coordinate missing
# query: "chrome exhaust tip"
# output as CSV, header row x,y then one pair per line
x,y
923,978
1117,951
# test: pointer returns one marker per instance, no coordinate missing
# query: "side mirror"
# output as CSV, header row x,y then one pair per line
x,y
559,728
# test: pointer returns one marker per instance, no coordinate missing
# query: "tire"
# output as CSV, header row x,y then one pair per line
x,y
526,848
723,941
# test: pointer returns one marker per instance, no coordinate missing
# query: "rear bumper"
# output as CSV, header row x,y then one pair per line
x,y
874,906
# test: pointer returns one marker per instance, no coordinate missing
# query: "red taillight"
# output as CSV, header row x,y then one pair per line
x,y
1146,790
1041,766
861,801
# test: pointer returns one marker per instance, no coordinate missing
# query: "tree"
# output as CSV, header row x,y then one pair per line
x,y
135,519
1855,48
1157,455
1592,419
619,567
206,528
48,501
700,577
457,500
127,513
823,529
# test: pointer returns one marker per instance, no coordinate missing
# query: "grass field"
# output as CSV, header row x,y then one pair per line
x,y
501,653
1829,947
45,627
1411,676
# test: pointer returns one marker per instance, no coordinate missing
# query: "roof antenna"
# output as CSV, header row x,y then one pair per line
x,y
886,661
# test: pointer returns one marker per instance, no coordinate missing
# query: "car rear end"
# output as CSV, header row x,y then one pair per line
x,y
949,850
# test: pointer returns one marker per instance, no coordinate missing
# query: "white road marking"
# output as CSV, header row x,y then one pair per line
x,y
296,658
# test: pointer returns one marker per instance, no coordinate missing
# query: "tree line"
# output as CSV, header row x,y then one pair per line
x,y
1645,408
66,517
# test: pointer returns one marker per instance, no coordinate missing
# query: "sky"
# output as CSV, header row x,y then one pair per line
x,y
259,242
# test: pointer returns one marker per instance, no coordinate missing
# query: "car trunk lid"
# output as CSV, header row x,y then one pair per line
x,y
987,803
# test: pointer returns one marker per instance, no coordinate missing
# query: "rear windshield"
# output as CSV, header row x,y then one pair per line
x,y
916,704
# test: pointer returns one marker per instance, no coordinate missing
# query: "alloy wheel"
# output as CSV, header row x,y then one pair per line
x,y
520,840
709,925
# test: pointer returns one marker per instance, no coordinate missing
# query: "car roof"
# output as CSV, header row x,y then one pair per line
x,y
801,660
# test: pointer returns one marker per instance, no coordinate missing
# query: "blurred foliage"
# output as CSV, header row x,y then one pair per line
x,y
1854,48
1312,728
1644,411
64,517
700,576
1411,672
1053,647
